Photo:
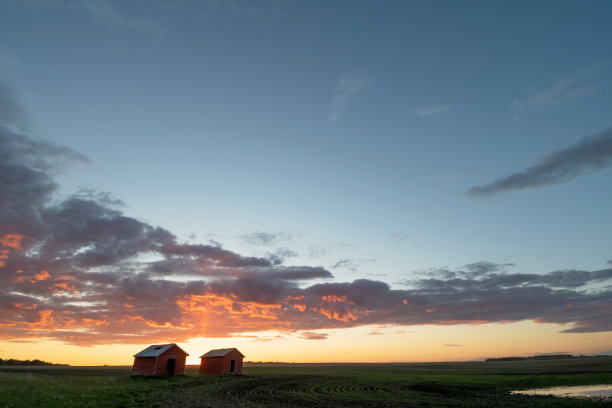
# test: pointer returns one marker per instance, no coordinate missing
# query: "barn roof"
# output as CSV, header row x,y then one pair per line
x,y
221,352
157,350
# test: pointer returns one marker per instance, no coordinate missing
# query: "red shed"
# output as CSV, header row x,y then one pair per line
x,y
160,360
222,361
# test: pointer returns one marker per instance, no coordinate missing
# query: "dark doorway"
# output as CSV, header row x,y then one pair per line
x,y
232,366
170,367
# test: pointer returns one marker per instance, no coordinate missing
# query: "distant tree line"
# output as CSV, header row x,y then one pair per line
x,y
544,357
36,362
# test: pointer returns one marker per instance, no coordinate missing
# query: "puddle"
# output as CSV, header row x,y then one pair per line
x,y
589,391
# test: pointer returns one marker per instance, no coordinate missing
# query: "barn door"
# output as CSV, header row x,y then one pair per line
x,y
170,367
232,366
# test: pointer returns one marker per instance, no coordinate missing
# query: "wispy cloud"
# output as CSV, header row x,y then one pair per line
x,y
351,264
318,251
259,238
348,88
314,336
400,237
433,110
271,239
590,155
565,90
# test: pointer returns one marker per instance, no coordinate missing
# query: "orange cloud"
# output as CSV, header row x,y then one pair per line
x,y
334,299
64,287
12,241
345,317
9,242
219,315
43,275
299,306
22,306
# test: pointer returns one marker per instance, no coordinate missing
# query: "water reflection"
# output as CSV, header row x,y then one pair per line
x,y
600,391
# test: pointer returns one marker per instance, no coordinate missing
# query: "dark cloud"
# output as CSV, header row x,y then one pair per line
x,y
493,297
80,265
27,166
482,267
297,273
78,270
214,243
280,255
214,255
590,155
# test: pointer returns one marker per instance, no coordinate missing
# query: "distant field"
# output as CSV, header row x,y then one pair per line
x,y
478,384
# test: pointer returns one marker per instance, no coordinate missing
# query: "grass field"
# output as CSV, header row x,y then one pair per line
x,y
478,384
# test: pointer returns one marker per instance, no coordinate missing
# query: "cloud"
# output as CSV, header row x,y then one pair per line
x,y
590,155
78,270
553,298
267,239
259,238
280,255
433,110
400,237
565,90
318,251
348,88
351,264
314,336
484,268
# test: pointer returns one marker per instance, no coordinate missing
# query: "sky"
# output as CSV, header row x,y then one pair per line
x,y
346,181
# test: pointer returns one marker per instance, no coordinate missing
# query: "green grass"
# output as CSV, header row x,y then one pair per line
x,y
308,385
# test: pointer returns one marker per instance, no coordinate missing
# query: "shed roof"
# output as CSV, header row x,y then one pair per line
x,y
157,350
220,352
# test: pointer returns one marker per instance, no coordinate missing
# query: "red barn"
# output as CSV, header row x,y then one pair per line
x,y
159,360
222,361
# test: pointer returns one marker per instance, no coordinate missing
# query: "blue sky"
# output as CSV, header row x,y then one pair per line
x,y
345,135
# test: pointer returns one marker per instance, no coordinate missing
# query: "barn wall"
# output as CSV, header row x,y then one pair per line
x,y
161,365
146,365
238,358
227,361
211,365
143,366
221,365
180,366
162,362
